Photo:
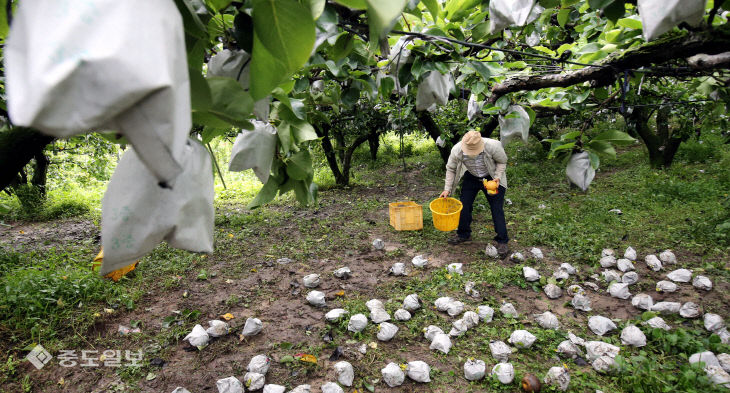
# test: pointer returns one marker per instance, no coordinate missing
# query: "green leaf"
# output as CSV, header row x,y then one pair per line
x,y
299,165
601,147
283,131
480,31
530,113
306,191
563,15
387,84
600,93
630,23
343,46
299,129
191,21
615,10
267,193
563,48
434,8
3,20
616,137
595,161
612,35
481,69
600,4
218,5
516,64
284,34
350,96
316,6
209,133
243,31
382,15
200,97
556,148
545,50
549,3
229,102
196,55
354,4
570,135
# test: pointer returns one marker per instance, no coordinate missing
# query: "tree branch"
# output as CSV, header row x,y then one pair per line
x,y
677,46
705,61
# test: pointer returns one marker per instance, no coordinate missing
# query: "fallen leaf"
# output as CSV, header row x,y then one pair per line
x,y
340,293
307,358
227,316
151,376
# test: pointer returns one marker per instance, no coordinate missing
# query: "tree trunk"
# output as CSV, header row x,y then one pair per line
x,y
342,176
489,127
323,132
17,147
661,145
341,145
374,142
434,131
639,117
40,174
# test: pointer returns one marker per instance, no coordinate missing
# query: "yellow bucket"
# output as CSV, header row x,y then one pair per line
x,y
445,212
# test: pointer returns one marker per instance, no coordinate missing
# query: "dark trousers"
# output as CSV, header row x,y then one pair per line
x,y
470,187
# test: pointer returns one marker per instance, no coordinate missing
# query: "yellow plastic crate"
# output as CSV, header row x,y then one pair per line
x,y
406,216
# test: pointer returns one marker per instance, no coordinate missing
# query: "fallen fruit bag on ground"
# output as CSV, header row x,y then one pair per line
x,y
137,214
103,65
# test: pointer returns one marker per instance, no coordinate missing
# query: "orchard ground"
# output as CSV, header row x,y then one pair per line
x,y
50,296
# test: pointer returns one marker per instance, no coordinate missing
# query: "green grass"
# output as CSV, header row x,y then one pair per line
x,y
43,300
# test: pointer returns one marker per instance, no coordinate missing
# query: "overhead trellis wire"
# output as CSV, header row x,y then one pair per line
x,y
429,37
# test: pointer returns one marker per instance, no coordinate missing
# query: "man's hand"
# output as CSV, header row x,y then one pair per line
x,y
444,194
496,179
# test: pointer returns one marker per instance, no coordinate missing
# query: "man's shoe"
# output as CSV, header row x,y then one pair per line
x,y
502,249
456,239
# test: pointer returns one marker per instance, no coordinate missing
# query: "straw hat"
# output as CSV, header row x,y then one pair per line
x,y
472,143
